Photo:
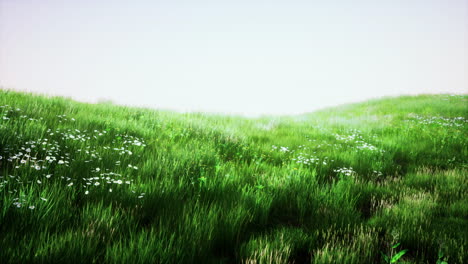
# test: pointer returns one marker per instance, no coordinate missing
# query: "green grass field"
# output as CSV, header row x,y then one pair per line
x,y
99,183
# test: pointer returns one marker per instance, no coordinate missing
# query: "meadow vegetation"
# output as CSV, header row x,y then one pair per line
x,y
100,183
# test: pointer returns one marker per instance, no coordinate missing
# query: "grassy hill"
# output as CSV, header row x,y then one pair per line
x,y
82,183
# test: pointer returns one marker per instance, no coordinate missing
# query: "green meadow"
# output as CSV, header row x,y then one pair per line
x,y
359,183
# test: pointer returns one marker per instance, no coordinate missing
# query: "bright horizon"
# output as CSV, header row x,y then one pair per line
x,y
242,57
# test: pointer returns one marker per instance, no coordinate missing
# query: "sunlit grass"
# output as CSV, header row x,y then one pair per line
x,y
101,183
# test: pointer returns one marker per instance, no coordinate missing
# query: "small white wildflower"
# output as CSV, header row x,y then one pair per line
x,y
48,176
110,190
70,184
98,169
61,162
44,199
86,192
96,183
39,182
32,207
284,149
23,161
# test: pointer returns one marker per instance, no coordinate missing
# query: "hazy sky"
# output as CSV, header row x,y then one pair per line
x,y
243,56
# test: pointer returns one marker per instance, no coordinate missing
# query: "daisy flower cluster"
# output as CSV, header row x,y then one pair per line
x,y
51,156
311,159
306,159
9,112
63,118
355,139
38,154
345,171
303,157
281,149
438,120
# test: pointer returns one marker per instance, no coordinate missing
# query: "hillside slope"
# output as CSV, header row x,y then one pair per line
x,y
103,183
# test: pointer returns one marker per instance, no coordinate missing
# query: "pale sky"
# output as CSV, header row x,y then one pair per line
x,y
246,57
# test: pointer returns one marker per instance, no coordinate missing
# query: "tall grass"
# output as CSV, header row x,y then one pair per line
x,y
102,183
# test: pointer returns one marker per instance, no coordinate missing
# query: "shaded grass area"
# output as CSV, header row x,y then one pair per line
x,y
102,183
